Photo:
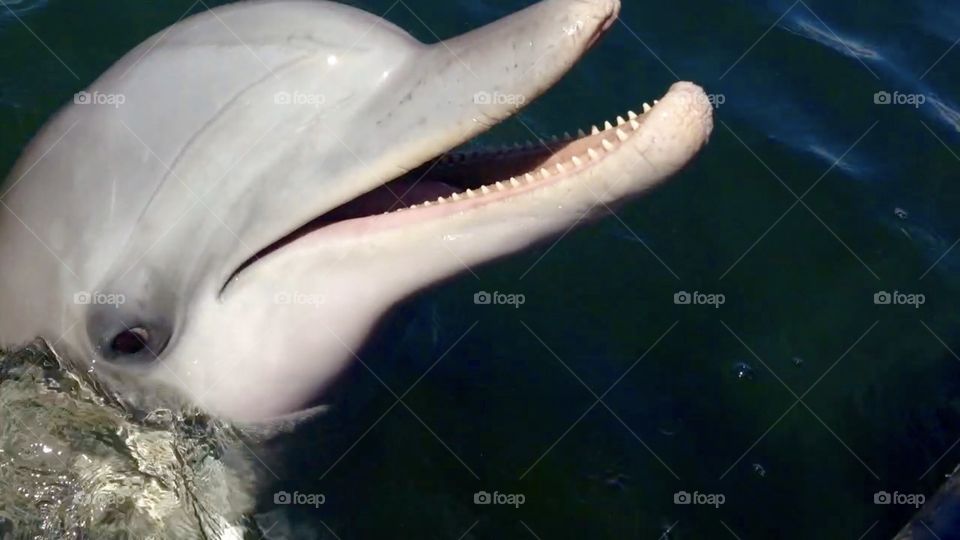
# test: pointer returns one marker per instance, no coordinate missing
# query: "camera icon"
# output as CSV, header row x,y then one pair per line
x,y
682,497
881,497
882,298
482,98
282,98
282,497
682,298
482,497
482,298
882,98
82,298
82,98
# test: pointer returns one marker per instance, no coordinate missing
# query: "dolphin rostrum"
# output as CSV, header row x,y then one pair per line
x,y
225,214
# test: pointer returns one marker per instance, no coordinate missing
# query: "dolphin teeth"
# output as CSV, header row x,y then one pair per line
x,y
594,155
471,194
634,124
560,169
529,178
621,121
441,200
622,135
577,161
632,115
456,196
544,173
608,146
414,206
514,183
581,133
607,125
483,189
567,136
554,138
500,186
427,203
646,108
594,130
656,101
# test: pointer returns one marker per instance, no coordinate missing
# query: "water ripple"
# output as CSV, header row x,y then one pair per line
x,y
818,32
945,112
19,7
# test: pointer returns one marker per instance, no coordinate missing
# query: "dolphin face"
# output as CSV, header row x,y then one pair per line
x,y
226,213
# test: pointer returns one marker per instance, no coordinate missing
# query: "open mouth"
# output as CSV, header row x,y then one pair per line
x,y
460,180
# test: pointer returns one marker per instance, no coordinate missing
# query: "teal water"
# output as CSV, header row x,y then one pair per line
x,y
839,398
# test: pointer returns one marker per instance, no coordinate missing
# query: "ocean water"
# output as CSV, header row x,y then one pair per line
x,y
787,411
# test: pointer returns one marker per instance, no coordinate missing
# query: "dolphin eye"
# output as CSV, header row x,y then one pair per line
x,y
130,326
130,341
133,343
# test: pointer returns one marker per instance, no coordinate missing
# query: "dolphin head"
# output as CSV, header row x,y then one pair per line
x,y
227,212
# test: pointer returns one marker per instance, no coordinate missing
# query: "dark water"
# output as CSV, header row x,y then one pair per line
x,y
810,199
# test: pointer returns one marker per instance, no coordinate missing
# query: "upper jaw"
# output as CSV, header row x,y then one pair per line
x,y
452,91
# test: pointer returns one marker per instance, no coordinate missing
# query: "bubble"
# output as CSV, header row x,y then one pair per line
x,y
901,213
743,371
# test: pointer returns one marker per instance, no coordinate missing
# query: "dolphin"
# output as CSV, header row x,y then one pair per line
x,y
222,217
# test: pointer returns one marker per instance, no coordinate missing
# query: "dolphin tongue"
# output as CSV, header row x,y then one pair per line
x,y
400,193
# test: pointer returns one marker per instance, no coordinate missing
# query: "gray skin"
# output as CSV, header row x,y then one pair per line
x,y
130,228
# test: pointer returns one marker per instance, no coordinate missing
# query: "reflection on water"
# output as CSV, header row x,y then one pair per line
x,y
15,8
812,29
